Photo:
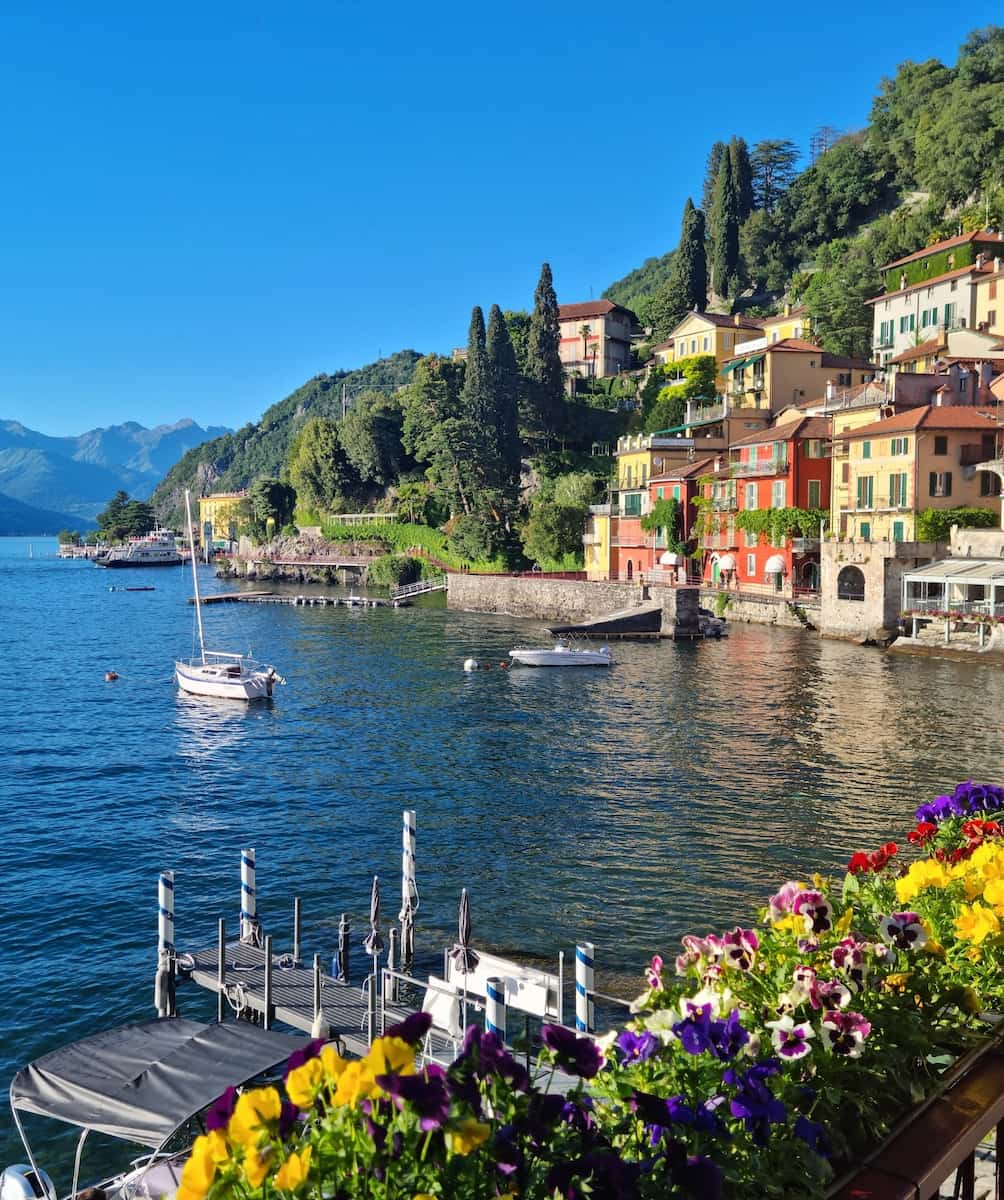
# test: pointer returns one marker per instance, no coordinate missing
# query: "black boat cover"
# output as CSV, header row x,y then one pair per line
x,y
141,1082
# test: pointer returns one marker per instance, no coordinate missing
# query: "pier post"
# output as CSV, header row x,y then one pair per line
x,y
249,907
370,1008
297,919
343,948
267,1017
409,888
390,988
319,1029
495,1008
163,990
221,968
561,987
584,1015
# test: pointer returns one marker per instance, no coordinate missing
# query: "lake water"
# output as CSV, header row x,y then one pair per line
x,y
624,806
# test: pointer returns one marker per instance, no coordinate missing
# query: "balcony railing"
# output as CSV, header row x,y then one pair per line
x,y
775,465
804,545
724,504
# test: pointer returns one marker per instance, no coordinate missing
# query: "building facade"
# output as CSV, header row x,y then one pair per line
x,y
778,375
596,338
219,516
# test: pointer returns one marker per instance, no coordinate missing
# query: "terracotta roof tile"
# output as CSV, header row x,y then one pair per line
x,y
949,416
931,346
962,239
590,308
799,428
690,470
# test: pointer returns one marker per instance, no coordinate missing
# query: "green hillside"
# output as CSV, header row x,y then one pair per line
x,y
235,460
928,163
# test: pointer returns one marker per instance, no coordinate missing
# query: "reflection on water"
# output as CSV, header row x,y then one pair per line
x,y
211,730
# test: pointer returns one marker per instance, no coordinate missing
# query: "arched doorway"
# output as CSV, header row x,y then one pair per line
x,y
716,572
851,584
810,576
630,569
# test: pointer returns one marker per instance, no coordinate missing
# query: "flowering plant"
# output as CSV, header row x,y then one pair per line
x,y
762,1055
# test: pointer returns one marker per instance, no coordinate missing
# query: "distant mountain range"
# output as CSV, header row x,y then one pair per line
x,y
69,480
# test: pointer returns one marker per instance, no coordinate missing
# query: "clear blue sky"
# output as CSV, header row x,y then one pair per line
x,y
204,205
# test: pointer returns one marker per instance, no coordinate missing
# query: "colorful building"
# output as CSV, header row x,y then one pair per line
x,y
706,333
892,469
989,316
596,338
219,516
682,484
596,541
789,323
777,375
787,466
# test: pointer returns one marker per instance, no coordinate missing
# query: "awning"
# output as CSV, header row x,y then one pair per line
x,y
775,565
668,559
727,562
748,362
734,365
141,1082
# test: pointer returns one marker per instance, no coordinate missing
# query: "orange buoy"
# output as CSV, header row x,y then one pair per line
x,y
502,666
110,676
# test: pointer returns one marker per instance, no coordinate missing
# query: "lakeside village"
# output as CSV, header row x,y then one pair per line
x,y
857,498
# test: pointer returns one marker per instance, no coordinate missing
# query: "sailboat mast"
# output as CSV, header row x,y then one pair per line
x,y
195,574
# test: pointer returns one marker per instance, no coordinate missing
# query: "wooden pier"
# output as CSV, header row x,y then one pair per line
x,y
304,601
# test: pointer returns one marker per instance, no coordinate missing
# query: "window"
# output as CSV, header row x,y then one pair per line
x,y
693,345
897,490
751,565
954,286
844,379
750,499
815,448
866,449
899,446
940,443
992,291
644,474
990,484
815,493
750,538
897,531
941,483
658,493
706,344
627,476
676,492
992,317
850,584
865,491
778,494
845,472
963,384
632,505
865,531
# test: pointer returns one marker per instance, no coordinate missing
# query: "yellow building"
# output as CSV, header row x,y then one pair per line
x,y
989,317
786,373
706,333
596,542
790,323
919,459
219,517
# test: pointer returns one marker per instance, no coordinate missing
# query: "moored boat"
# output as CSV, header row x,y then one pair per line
x,y
562,655
154,549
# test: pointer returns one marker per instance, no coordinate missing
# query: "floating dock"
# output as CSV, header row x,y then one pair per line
x,y
303,601
642,621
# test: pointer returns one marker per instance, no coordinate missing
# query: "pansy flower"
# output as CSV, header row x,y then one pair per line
x,y
781,902
815,910
903,930
580,1056
848,957
922,834
739,949
791,1038
636,1047
654,973
844,1032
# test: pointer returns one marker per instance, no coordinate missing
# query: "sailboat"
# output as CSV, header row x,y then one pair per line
x,y
214,672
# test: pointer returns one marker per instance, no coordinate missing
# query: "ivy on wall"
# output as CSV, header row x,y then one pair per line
x,y
779,524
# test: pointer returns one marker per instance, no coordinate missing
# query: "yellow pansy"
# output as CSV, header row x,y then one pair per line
x,y
976,923
993,892
935,949
467,1135
332,1064
974,954
303,1083
293,1172
790,923
896,982
198,1173
356,1083
391,1056
256,1164
924,874
252,1111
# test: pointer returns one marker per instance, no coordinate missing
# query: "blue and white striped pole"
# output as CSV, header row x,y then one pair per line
x,y
495,1008
584,1019
409,888
249,908
165,944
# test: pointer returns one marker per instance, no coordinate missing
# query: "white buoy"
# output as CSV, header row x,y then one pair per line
x,y
470,664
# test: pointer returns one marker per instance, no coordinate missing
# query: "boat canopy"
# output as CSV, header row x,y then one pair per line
x,y
142,1082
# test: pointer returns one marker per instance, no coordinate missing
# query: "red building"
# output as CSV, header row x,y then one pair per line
x,y
787,466
682,484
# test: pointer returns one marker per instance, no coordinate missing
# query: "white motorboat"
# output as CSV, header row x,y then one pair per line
x,y
562,655
154,549
217,673
142,1084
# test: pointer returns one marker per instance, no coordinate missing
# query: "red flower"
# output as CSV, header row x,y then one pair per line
x,y
859,862
922,834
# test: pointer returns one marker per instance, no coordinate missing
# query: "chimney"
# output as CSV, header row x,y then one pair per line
x,y
831,391
981,258
997,264
787,310
736,318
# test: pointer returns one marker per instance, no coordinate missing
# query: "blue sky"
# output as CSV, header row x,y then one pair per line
x,y
205,205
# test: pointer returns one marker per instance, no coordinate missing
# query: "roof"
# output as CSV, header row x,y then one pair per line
x,y
590,308
962,239
800,428
690,470
800,310
931,346
959,570
801,346
724,320
972,269
141,1082
940,416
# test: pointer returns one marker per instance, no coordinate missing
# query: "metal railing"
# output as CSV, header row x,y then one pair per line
x,y
761,466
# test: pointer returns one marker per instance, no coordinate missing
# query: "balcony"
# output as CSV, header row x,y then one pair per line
x,y
804,545
777,464
602,510
591,539
724,504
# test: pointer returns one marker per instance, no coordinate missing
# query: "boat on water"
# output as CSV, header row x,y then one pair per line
x,y
562,654
217,673
154,549
144,1084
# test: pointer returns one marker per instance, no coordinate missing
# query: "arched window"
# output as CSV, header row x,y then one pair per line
x,y
630,569
850,584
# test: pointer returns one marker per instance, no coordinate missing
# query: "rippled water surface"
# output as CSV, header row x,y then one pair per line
x,y
623,806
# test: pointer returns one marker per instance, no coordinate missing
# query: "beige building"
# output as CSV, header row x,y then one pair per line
x,y
219,515
778,375
596,338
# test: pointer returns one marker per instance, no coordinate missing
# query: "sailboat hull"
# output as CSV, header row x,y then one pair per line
x,y
224,681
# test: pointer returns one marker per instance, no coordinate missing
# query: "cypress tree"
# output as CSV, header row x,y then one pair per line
x,y
477,399
711,174
724,233
687,286
742,175
504,381
544,371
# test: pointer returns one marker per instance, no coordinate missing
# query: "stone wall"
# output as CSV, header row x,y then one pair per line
x,y
564,600
883,565
760,610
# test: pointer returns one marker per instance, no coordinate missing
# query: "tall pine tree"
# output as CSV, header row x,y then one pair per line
x,y
544,370
742,175
687,286
504,380
723,232
479,402
711,174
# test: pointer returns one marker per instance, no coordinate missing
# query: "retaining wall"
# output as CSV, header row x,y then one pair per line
x,y
760,610
565,600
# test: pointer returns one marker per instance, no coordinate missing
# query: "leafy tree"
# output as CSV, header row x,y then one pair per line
x,y
577,489
436,430
272,504
689,379
714,161
69,537
897,109
125,518
959,145
935,524
772,164
981,58
638,287
723,232
767,252
370,434
558,511
667,515
518,324
319,467
413,500
742,176
546,393
835,194
836,295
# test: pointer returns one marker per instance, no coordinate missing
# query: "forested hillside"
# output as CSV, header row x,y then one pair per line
x,y
930,159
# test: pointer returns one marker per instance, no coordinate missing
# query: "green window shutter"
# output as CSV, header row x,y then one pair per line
x,y
897,531
948,483
866,531
866,449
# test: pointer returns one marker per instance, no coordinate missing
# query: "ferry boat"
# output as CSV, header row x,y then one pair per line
x,y
155,549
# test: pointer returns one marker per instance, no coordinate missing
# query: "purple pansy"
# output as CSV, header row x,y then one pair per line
x,y
654,973
700,1033
848,957
426,1093
903,930
221,1110
739,949
814,1135
754,1102
790,1037
781,902
815,910
968,799
304,1054
636,1047
412,1029
844,1032
580,1056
